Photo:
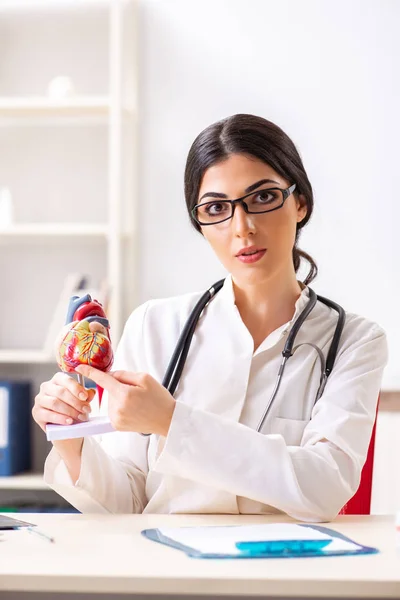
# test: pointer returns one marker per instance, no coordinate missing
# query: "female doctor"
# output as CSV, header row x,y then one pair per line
x,y
206,452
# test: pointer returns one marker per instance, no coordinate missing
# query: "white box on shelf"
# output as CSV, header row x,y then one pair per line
x,y
71,285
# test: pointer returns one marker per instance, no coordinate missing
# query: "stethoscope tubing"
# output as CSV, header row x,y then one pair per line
x,y
178,359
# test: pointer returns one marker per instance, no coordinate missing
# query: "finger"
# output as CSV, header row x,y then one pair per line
x,y
71,384
55,404
65,396
45,416
137,379
105,380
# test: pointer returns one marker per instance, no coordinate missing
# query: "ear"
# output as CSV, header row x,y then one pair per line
x,y
301,205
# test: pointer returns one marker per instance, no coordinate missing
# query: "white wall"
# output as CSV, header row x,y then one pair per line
x,y
328,74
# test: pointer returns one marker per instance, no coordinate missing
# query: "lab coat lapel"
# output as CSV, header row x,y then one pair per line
x,y
221,354
219,359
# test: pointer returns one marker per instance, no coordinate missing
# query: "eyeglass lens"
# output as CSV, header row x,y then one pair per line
x,y
219,210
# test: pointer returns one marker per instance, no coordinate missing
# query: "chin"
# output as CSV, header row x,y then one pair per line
x,y
253,276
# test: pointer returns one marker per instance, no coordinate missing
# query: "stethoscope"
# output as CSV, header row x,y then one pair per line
x,y
178,359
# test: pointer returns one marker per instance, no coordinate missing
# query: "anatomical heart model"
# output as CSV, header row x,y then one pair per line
x,y
83,343
85,339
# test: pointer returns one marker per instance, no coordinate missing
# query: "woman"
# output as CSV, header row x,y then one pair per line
x,y
205,454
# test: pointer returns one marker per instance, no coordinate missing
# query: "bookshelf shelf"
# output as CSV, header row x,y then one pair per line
x,y
76,108
25,356
55,229
24,6
30,107
24,481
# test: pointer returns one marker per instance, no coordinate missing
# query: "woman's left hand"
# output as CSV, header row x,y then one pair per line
x,y
136,401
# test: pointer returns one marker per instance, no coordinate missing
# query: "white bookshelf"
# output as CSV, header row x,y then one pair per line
x,y
73,188
113,109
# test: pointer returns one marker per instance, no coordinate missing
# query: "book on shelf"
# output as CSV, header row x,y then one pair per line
x,y
15,421
75,284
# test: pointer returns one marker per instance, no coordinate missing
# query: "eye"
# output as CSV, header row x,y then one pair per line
x,y
266,196
216,208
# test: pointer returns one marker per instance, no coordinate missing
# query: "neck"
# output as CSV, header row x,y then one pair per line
x,y
267,304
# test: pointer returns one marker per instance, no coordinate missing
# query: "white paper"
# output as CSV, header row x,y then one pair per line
x,y
4,404
94,426
222,540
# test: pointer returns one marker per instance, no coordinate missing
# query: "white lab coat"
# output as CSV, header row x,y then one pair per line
x,y
307,460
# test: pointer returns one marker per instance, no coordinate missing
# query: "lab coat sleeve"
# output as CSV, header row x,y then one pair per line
x,y
309,482
114,466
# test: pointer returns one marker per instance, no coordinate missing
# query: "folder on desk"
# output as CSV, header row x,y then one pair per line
x,y
7,522
15,426
276,540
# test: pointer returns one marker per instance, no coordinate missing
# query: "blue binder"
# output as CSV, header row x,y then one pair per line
x,y
15,427
270,549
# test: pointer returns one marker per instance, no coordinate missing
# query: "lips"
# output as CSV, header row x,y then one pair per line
x,y
251,255
249,250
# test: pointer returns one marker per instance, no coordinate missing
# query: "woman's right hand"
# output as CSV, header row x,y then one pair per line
x,y
62,401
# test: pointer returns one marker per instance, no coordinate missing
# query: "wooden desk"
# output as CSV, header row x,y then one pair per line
x,y
105,554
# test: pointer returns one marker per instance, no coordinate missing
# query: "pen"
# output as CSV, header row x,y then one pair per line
x,y
36,531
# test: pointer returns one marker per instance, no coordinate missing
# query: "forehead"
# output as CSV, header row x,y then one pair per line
x,y
235,173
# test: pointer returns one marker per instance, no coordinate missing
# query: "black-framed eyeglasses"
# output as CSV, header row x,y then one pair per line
x,y
260,201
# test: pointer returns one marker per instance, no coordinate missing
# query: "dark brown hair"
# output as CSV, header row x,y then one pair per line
x,y
255,136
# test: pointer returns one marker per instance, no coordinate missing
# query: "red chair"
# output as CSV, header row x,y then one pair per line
x,y
360,503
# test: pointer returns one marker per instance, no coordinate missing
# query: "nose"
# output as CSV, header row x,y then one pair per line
x,y
242,222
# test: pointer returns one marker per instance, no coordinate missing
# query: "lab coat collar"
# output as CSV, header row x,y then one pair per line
x,y
227,296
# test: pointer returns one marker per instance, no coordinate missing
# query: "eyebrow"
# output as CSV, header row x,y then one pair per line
x,y
249,189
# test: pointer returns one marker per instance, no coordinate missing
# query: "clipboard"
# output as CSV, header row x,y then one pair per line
x,y
339,544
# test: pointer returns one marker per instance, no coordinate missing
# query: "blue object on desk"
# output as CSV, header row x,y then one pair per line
x,y
15,426
283,547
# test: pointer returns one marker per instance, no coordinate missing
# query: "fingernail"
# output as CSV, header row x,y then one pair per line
x,y
69,421
82,396
83,417
86,409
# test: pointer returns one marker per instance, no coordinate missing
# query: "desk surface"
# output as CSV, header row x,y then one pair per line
x,y
106,553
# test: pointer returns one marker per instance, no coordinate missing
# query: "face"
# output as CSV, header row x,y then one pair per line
x,y
272,234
